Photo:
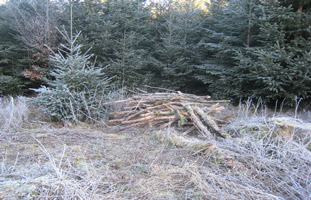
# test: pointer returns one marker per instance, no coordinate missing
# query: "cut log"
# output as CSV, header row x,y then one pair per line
x,y
210,122
142,111
114,121
216,110
150,118
131,126
137,120
197,122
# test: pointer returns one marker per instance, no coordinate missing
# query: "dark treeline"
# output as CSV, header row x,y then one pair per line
x,y
228,48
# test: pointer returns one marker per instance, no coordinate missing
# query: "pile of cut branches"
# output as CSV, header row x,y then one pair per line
x,y
170,109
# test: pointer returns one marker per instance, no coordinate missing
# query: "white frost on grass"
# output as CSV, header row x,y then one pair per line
x,y
13,113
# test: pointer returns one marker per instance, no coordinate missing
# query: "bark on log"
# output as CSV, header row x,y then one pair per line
x,y
210,122
197,122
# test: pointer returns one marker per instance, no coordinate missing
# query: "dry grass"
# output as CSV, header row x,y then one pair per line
x,y
48,161
276,164
13,113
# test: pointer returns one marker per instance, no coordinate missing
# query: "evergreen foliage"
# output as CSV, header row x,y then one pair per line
x,y
13,60
118,34
144,45
33,24
236,50
226,32
178,46
77,88
257,49
280,67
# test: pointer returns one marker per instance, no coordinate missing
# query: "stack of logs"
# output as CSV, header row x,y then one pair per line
x,y
170,109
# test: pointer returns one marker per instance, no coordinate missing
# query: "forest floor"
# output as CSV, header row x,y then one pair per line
x,y
40,160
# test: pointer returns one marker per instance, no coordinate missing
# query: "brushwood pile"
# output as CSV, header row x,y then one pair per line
x,y
161,110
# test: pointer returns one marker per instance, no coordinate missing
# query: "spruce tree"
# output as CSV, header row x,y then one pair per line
x,y
76,87
178,47
229,28
142,44
118,33
13,59
280,67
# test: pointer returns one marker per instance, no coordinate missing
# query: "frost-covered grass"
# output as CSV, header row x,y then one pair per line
x,y
13,113
273,166
86,161
277,156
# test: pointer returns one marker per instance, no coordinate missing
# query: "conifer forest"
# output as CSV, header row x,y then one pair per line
x,y
229,49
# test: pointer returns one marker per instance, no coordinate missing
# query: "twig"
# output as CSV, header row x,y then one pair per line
x,y
168,123
118,101
189,131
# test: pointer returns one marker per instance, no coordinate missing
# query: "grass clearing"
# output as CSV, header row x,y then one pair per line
x,y
48,161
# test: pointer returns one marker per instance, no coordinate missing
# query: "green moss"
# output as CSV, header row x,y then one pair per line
x,y
199,147
182,119
157,113
259,130
181,141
